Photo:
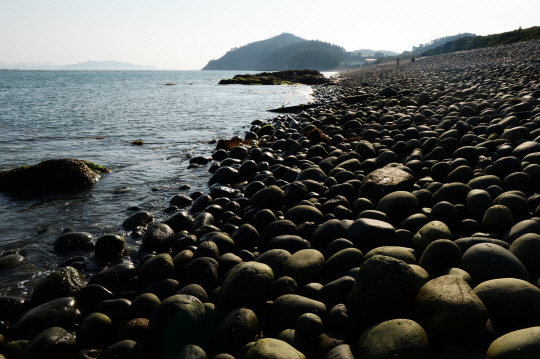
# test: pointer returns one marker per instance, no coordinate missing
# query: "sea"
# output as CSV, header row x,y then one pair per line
x,y
95,116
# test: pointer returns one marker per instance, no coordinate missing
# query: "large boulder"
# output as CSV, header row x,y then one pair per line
x,y
52,176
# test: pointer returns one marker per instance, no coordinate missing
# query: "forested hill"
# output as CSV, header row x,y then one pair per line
x,y
477,42
282,52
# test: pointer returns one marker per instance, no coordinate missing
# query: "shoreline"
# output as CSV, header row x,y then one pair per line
x,y
409,172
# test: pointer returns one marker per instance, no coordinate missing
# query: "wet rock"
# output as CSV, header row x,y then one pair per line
x,y
109,247
202,271
180,221
156,268
53,343
158,237
61,312
64,282
139,219
52,176
72,240
115,277
225,176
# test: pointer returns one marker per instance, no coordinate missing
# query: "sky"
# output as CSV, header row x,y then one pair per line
x,y
186,34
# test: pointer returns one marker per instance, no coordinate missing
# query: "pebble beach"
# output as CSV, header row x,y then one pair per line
x,y
401,219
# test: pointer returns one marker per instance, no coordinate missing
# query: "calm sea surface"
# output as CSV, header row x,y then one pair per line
x,y
59,114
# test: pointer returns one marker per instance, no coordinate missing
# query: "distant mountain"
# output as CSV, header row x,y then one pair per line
x,y
370,52
88,65
106,65
282,52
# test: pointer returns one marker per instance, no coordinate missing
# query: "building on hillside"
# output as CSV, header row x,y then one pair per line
x,y
419,48
379,55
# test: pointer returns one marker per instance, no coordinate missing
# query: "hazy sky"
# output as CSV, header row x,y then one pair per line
x,y
181,34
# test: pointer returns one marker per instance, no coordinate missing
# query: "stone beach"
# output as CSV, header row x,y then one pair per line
x,y
400,220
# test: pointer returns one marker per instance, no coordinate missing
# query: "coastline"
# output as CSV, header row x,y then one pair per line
x,y
302,237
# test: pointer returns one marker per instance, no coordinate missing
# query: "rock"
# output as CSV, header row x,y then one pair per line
x,y
310,325
271,197
181,201
136,330
11,308
401,338
52,343
527,249
439,256
290,243
246,285
192,352
404,254
139,219
337,291
95,331
114,278
64,282
123,349
270,348
52,176
234,331
303,213
343,351
288,308
311,173
326,233
367,234
485,261
386,180
341,262
430,232
158,237
455,193
524,343
275,259
478,202
450,311
180,320
225,176
385,288
72,240
304,266
61,312
202,271
398,206
144,305
298,341
156,268
180,221
10,261
510,302
109,247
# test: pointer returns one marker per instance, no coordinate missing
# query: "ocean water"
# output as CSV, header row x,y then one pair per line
x,y
95,115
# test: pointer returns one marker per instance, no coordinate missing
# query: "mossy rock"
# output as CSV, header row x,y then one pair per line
x,y
51,176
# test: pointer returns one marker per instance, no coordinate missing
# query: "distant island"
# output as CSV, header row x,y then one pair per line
x,y
282,52
88,65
